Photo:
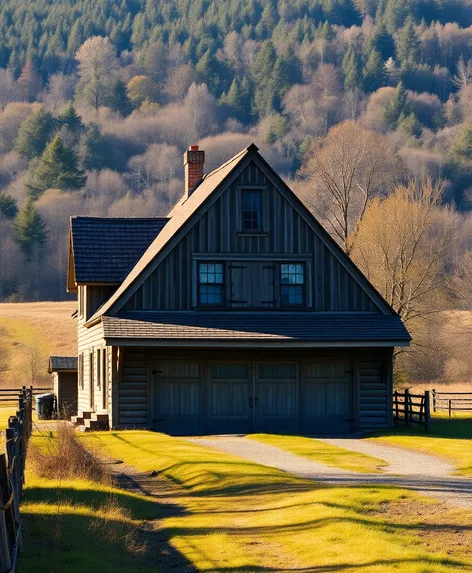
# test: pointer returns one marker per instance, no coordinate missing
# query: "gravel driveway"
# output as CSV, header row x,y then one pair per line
x,y
426,474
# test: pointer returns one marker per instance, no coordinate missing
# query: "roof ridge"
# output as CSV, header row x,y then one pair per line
x,y
133,219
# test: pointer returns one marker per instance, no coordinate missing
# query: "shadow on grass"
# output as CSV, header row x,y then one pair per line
x,y
91,530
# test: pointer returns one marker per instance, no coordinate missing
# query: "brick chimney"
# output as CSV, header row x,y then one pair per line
x,y
194,161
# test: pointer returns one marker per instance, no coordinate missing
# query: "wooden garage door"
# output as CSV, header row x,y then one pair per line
x,y
327,402
178,398
276,397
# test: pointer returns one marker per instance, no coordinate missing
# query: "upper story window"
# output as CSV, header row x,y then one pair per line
x,y
252,210
292,284
210,284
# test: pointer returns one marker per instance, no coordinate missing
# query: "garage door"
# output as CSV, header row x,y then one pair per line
x,y
327,404
178,398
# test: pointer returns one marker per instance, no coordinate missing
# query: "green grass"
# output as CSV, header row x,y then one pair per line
x,y
450,438
323,453
239,517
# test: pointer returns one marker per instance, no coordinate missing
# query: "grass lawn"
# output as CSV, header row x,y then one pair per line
x,y
239,517
449,437
323,453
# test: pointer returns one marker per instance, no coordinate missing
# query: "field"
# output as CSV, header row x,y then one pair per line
x,y
29,333
222,514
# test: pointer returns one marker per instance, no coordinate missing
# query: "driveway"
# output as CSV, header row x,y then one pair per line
x,y
425,474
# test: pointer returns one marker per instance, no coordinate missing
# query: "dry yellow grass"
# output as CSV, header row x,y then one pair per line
x,y
45,327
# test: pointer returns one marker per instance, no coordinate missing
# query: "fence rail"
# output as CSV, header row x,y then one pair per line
x,y
412,408
10,395
12,479
452,401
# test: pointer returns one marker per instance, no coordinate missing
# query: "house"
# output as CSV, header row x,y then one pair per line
x,y
64,374
236,313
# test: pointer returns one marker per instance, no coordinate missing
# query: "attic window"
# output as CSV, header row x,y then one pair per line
x,y
252,211
292,283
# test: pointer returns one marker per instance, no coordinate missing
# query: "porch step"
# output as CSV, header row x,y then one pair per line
x,y
78,420
96,424
99,417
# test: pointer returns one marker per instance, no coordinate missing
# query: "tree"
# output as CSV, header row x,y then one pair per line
x,y
34,133
9,90
29,230
409,125
119,100
463,76
347,169
352,70
140,88
374,72
404,245
93,152
56,169
397,106
8,206
463,144
408,44
97,62
30,81
70,118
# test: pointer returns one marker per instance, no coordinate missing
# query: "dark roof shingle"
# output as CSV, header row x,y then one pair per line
x,y
284,326
106,249
62,363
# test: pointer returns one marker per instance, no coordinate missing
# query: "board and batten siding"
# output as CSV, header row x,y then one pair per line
x,y
133,396
375,391
217,232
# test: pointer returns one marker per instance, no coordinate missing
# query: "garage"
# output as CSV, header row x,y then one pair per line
x,y
240,397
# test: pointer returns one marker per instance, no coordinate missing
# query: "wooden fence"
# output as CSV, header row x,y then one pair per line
x,y
452,401
412,408
12,478
10,395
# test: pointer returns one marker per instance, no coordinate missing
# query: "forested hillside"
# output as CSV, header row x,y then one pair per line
x,y
365,106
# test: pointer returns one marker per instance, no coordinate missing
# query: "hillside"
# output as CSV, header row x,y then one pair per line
x,y
29,334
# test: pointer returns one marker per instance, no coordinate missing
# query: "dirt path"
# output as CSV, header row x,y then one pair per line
x,y
438,484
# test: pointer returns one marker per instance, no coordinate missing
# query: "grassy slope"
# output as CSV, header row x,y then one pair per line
x,y
237,516
450,438
45,325
323,453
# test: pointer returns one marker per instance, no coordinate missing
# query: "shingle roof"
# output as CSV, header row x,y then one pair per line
x,y
62,363
178,217
328,328
105,249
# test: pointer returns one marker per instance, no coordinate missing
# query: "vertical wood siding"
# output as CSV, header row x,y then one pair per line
x,y
374,402
169,287
133,389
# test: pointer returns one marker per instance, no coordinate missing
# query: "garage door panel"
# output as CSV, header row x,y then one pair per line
x,y
229,399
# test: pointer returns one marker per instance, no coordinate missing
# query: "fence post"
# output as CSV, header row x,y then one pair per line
x,y
434,400
450,407
427,405
407,407
5,558
395,397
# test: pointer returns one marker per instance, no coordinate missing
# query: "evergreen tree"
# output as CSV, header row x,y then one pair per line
x,y
93,152
382,42
56,169
34,133
397,106
8,206
30,81
408,44
374,72
263,64
409,125
234,100
70,118
119,100
29,230
352,70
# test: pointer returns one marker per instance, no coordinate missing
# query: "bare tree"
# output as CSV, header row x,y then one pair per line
x,y
97,62
348,168
60,90
33,367
404,246
463,76
9,90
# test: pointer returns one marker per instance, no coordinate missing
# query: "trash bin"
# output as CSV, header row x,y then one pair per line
x,y
45,406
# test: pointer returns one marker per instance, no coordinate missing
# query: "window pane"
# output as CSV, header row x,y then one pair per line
x,y
211,273
211,280
211,294
292,277
252,210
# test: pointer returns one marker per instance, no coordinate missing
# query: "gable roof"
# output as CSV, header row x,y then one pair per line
x,y
188,206
179,215
60,363
104,250
199,328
